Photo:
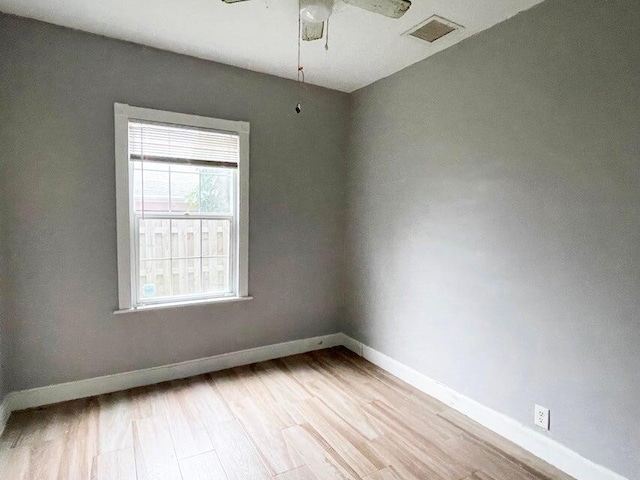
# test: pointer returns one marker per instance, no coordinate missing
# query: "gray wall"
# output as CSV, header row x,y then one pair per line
x,y
494,221
3,347
4,288
57,89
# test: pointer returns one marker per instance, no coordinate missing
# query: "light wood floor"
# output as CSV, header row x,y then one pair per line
x,y
323,415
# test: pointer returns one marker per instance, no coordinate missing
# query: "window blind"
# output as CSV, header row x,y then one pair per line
x,y
162,143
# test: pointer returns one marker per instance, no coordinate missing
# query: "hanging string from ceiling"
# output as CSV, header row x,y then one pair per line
x,y
326,43
300,71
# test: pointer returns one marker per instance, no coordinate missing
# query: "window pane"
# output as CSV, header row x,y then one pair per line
x,y
155,278
183,168
150,190
183,257
185,192
186,277
216,190
216,275
154,240
216,237
149,165
185,238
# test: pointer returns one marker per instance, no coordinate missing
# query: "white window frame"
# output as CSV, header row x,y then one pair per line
x,y
127,268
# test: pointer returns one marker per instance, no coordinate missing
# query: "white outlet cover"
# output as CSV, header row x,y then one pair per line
x,y
541,417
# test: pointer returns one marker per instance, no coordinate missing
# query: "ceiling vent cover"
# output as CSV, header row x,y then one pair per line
x,y
433,29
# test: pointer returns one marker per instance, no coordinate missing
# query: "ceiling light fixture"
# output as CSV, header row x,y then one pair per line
x,y
316,11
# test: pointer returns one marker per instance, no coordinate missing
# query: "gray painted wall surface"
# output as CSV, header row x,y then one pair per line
x,y
4,287
57,92
494,221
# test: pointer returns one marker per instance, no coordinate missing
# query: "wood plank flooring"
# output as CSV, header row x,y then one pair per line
x,y
320,416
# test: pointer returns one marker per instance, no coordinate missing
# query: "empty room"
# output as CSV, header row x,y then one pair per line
x,y
320,240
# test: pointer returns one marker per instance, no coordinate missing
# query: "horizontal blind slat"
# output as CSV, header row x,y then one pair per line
x,y
184,144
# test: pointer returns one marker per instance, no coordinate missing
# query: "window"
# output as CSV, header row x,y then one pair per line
x,y
182,207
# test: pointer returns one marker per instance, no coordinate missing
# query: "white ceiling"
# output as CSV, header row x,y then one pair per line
x,y
261,35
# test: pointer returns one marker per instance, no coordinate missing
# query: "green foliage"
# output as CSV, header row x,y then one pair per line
x,y
213,194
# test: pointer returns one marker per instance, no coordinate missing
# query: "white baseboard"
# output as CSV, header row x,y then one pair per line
x,y
352,344
541,446
62,392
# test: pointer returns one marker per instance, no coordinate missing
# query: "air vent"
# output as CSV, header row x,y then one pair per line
x,y
433,29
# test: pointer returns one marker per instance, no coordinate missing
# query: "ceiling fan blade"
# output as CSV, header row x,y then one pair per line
x,y
388,8
312,31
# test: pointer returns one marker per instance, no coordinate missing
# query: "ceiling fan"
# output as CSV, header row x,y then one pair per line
x,y
314,13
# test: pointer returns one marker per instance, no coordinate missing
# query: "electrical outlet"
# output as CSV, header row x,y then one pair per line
x,y
541,417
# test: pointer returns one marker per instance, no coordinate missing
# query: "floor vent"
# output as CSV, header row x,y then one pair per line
x,y
433,29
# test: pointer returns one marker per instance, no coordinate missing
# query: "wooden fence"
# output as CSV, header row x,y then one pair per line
x,y
183,256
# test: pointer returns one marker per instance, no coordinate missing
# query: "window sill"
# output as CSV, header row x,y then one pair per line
x,y
164,306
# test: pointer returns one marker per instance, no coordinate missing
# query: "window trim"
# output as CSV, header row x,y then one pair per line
x,y
123,113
